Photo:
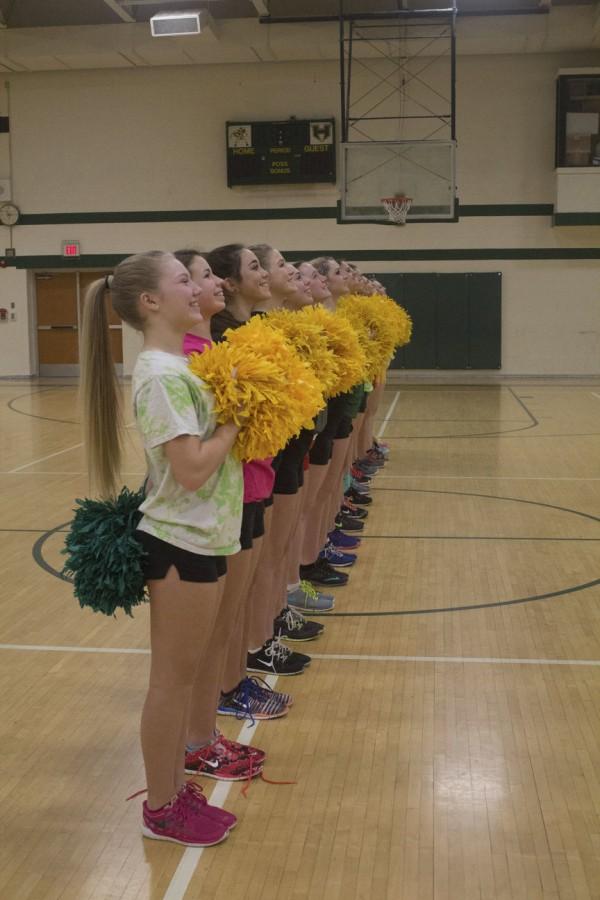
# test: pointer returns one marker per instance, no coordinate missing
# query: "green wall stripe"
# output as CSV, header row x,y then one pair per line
x,y
577,218
180,215
251,215
109,260
506,209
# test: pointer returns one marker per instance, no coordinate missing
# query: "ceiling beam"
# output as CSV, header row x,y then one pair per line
x,y
118,9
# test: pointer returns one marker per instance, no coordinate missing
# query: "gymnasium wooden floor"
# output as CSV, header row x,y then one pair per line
x,y
445,741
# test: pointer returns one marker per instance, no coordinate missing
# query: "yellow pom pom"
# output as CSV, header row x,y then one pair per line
x,y
379,328
261,384
342,341
309,342
398,318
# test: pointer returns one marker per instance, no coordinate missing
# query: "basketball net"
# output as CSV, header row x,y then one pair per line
x,y
397,208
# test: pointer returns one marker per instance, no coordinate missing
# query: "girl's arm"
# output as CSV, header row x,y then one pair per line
x,y
193,460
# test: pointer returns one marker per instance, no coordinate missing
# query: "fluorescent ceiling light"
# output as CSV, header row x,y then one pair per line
x,y
175,24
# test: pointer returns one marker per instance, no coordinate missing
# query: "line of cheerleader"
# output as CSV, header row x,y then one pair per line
x,y
255,395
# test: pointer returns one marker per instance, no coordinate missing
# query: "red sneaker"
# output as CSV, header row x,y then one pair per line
x,y
257,755
220,762
181,822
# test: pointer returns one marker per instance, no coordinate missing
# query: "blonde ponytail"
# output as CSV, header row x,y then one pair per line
x,y
100,394
100,391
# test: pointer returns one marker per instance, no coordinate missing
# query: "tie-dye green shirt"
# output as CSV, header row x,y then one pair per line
x,y
170,401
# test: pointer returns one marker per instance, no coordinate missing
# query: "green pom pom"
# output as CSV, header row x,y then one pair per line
x,y
103,556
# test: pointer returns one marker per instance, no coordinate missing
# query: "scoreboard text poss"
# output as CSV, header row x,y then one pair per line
x,y
291,152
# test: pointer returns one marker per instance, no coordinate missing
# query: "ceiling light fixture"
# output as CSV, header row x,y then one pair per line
x,y
176,24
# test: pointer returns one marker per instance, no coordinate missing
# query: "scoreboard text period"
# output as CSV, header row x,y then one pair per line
x,y
295,151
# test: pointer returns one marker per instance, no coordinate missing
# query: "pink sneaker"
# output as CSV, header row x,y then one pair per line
x,y
196,794
182,822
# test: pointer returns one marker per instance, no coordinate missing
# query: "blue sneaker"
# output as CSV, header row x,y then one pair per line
x,y
336,557
307,599
342,541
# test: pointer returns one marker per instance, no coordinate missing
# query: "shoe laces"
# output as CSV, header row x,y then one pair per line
x,y
191,787
178,808
254,689
243,697
298,620
293,622
224,750
333,552
276,650
309,590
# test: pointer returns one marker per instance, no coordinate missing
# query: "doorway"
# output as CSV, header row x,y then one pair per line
x,y
58,300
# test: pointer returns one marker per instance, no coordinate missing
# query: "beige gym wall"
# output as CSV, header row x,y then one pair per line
x,y
153,139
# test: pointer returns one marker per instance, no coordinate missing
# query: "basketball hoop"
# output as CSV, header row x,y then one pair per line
x,y
397,208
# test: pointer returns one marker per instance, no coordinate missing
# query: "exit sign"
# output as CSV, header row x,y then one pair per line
x,y
71,248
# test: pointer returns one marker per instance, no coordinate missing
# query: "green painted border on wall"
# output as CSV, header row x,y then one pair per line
x,y
109,260
577,218
250,215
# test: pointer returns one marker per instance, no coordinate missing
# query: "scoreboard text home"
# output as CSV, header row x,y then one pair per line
x,y
290,152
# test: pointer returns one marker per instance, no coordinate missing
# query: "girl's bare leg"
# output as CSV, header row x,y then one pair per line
x,y
209,675
268,585
234,668
310,516
317,516
182,619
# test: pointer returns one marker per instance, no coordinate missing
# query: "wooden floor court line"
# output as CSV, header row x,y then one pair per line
x,y
351,657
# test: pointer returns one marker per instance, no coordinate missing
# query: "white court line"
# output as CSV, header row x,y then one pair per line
x,y
189,861
597,396
491,660
493,477
58,649
42,472
52,455
488,660
44,458
383,475
389,415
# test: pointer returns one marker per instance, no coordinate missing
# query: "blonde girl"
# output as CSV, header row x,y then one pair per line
x,y
190,517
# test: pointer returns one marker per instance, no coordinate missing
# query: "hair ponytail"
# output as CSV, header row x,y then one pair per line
x,y
100,390
100,394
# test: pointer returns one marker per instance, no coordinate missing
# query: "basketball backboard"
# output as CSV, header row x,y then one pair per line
x,y
421,170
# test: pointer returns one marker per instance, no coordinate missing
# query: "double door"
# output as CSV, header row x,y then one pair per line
x,y
59,305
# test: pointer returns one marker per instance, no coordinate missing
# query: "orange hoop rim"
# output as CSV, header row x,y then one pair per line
x,y
396,198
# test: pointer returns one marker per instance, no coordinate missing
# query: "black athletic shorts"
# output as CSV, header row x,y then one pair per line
x,y
321,451
289,477
253,523
190,566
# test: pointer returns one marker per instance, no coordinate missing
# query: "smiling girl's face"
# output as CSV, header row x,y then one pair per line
x,y
211,298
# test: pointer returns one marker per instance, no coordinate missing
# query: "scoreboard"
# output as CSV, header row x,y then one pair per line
x,y
295,151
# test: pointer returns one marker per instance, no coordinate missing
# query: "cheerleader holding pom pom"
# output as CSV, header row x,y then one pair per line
x,y
190,516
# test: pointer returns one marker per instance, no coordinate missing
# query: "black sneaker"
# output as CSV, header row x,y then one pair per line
x,y
292,626
275,659
345,524
321,572
353,512
358,499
